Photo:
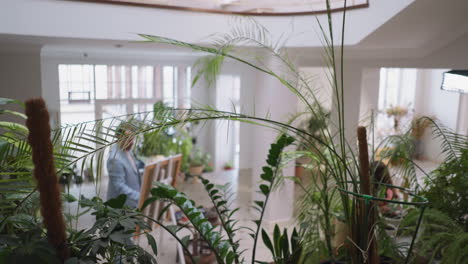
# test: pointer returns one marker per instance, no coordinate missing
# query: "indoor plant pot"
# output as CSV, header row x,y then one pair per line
x,y
196,170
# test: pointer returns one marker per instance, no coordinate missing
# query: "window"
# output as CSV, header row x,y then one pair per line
x,y
397,87
89,92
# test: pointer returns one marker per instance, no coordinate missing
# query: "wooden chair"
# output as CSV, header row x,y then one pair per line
x,y
164,171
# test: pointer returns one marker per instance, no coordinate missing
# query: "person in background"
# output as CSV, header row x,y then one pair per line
x,y
123,167
382,175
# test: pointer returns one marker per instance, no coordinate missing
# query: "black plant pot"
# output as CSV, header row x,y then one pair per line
x,y
332,262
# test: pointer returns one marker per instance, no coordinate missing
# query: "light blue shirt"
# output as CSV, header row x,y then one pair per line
x,y
124,177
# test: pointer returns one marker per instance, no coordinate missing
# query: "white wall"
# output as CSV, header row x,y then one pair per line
x,y
432,101
20,76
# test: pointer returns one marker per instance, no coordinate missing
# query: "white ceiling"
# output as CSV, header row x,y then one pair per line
x,y
397,28
73,20
250,6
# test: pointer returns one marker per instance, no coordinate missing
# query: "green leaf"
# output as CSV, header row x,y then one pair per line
x,y
117,202
4,101
284,244
265,189
180,200
173,228
267,177
149,201
69,198
221,203
294,240
3,111
259,203
267,242
18,128
276,239
267,170
128,224
230,257
120,237
185,240
152,243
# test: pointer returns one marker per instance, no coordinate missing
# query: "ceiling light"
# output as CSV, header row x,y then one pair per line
x,y
455,81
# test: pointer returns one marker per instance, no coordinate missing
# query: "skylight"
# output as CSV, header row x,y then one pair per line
x,y
251,7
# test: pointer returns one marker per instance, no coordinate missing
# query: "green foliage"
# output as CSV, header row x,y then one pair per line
x,y
226,249
107,240
27,246
283,250
221,247
320,207
269,175
441,237
168,140
199,158
447,190
315,125
399,151
220,198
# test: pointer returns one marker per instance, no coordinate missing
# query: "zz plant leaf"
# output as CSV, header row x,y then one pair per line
x,y
225,215
220,247
270,172
283,249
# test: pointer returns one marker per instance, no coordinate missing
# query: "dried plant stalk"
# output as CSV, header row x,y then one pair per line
x,y
366,209
44,173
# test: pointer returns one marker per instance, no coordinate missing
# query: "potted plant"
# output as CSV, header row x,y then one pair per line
x,y
418,128
397,112
228,166
166,142
313,125
197,161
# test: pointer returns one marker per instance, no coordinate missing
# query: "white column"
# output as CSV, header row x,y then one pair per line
x,y
274,99
352,81
462,123
369,93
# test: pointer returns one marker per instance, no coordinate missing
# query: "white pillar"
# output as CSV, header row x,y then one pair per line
x,y
352,80
275,100
369,93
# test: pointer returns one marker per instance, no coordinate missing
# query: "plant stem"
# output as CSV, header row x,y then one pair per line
x,y
261,215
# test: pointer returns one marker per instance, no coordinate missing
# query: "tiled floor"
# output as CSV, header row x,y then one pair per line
x,y
241,185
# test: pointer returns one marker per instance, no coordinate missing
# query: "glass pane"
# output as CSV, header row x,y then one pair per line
x,y
113,110
149,83
188,88
168,85
134,81
101,81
